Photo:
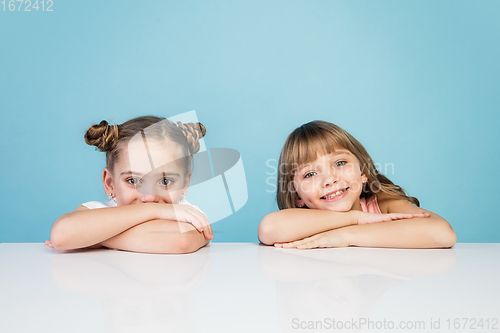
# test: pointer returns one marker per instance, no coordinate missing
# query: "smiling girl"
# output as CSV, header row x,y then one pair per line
x,y
146,179
330,194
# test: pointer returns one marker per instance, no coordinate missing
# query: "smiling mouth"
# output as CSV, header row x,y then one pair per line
x,y
335,194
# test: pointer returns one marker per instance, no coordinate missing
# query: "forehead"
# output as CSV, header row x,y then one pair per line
x,y
141,156
324,157
305,147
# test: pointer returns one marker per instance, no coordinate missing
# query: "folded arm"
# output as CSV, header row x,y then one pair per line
x,y
158,236
418,233
431,231
296,223
293,224
85,227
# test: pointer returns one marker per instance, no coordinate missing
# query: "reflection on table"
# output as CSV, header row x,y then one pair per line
x,y
139,292
313,285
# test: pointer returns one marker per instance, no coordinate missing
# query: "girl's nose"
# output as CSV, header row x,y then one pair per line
x,y
150,198
330,178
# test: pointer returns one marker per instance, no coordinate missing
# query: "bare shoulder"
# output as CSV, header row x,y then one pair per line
x,y
389,204
81,207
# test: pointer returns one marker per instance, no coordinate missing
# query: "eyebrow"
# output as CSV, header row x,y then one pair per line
x,y
140,174
336,152
340,152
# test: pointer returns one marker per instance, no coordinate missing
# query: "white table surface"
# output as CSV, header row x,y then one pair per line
x,y
246,287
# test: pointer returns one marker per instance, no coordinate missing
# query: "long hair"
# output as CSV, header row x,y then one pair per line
x,y
320,137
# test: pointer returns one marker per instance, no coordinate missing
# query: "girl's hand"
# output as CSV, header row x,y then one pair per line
x,y
48,243
187,214
330,238
365,218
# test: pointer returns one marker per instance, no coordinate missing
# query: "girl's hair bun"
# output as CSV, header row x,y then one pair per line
x,y
193,132
103,136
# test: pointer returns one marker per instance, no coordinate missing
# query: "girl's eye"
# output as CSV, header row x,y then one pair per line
x,y
134,181
340,163
309,174
166,182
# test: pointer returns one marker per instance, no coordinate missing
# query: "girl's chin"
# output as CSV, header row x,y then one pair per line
x,y
336,208
333,209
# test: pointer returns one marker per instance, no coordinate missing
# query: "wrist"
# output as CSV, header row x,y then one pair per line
x,y
346,234
353,217
154,211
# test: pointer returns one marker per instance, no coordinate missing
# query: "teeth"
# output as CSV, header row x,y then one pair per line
x,y
334,194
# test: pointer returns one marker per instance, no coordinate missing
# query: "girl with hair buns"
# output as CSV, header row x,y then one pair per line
x,y
147,174
325,169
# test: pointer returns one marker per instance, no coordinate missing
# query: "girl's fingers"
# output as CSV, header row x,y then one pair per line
x,y
203,224
309,245
196,224
197,219
366,218
422,215
207,232
290,244
298,243
207,228
190,215
411,216
305,246
401,216
211,231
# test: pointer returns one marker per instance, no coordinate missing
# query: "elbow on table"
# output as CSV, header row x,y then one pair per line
x,y
267,230
450,240
60,236
187,242
446,237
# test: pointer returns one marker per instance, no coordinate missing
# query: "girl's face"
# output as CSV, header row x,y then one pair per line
x,y
152,175
332,182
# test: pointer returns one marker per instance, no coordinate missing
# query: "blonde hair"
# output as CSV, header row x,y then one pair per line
x,y
320,137
111,138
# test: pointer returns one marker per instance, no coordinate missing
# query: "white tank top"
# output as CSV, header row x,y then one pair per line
x,y
112,203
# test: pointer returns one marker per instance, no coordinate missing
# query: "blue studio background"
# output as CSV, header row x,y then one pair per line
x,y
417,82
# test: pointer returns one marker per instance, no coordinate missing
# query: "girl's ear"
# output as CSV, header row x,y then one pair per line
x,y
107,180
364,179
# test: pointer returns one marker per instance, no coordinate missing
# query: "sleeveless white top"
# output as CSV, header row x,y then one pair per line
x,y
112,203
